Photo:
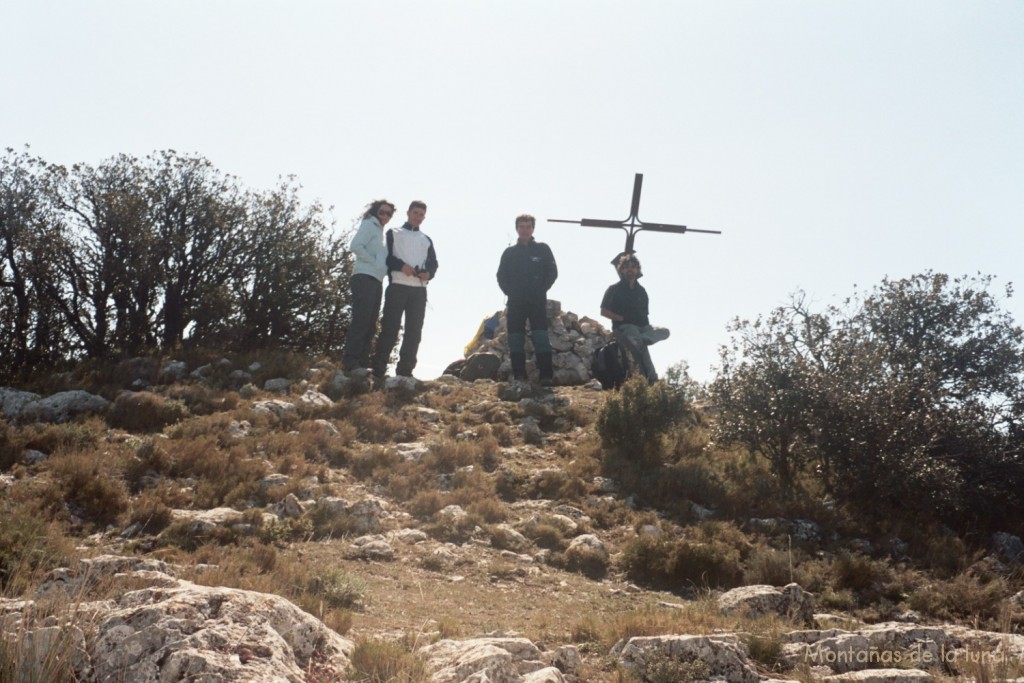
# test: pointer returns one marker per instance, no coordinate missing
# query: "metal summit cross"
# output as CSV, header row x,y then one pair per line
x,y
633,224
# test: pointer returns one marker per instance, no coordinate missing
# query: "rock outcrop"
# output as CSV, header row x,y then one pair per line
x,y
167,629
573,342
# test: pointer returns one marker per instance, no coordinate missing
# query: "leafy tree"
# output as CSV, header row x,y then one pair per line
x,y
292,291
145,255
907,400
31,331
102,248
767,384
199,217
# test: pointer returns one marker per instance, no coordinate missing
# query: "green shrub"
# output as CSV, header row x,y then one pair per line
x,y
964,597
682,565
144,411
545,535
633,420
906,403
338,589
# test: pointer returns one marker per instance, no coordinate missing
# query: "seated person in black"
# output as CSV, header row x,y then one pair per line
x,y
625,303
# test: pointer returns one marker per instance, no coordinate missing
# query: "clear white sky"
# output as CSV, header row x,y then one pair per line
x,y
833,142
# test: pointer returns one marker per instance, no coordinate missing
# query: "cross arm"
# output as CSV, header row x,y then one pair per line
x,y
664,227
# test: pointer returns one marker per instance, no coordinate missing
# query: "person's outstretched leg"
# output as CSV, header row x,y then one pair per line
x,y
632,340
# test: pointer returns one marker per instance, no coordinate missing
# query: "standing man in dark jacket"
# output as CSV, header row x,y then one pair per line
x,y
411,263
525,275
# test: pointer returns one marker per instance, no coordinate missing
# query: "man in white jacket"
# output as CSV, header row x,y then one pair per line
x,y
411,263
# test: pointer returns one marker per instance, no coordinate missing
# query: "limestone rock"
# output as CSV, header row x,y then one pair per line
x,y
275,407
1008,548
13,401
724,656
573,341
277,385
173,371
791,602
171,630
882,676
62,406
373,548
496,660
315,399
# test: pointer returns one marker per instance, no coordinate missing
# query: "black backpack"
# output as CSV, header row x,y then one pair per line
x,y
609,366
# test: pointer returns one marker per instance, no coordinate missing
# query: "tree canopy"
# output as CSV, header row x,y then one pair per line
x,y
906,400
145,255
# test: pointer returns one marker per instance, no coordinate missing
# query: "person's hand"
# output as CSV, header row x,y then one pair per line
x,y
424,275
407,269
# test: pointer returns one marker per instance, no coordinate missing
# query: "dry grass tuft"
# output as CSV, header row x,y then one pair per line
x,y
203,400
380,661
30,546
92,487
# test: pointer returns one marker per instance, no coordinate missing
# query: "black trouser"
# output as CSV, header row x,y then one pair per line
x,y
366,295
399,300
519,311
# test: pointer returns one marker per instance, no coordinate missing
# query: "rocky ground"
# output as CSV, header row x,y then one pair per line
x,y
466,524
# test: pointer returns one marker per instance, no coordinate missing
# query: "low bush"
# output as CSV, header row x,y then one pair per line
x,y
90,485
681,565
544,534
203,400
69,436
767,566
590,562
144,411
149,511
367,461
151,459
633,420
963,597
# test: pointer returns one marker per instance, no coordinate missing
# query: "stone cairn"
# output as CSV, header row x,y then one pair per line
x,y
573,342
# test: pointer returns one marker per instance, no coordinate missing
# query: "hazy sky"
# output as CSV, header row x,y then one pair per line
x,y
834,142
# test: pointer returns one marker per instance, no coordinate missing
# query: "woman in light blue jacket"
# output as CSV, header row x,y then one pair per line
x,y
367,283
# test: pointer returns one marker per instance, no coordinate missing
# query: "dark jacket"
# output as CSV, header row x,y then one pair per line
x,y
527,271
629,302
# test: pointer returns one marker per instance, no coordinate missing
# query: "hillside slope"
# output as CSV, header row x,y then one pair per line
x,y
447,512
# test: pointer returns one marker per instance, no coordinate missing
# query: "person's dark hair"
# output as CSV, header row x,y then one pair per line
x,y
526,217
628,258
417,204
374,207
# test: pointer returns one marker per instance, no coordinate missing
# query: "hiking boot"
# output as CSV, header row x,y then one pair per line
x,y
518,360
544,366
